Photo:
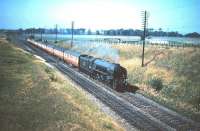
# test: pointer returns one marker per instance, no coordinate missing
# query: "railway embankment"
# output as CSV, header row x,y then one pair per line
x,y
35,97
170,75
158,118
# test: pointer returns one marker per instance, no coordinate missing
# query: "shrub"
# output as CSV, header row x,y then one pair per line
x,y
108,126
156,83
53,77
47,70
51,74
8,39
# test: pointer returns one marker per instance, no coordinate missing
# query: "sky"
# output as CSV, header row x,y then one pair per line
x,y
170,15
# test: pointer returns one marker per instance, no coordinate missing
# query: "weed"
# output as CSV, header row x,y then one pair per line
x,y
156,83
51,74
108,126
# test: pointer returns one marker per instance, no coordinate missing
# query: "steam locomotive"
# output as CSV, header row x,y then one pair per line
x,y
111,74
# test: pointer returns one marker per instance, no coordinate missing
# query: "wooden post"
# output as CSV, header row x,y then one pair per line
x,y
56,33
144,35
41,31
72,30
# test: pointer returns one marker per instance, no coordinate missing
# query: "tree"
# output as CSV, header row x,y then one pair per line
x,y
193,35
89,32
97,32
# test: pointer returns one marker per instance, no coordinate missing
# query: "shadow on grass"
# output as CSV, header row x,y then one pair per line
x,y
154,57
130,88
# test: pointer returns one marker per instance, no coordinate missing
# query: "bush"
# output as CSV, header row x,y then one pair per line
x,y
108,126
48,70
51,74
156,83
53,77
8,39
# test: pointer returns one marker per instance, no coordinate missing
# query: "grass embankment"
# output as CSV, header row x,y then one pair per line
x,y
171,76
63,43
35,97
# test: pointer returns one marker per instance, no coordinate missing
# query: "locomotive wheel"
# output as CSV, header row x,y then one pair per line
x,y
98,77
95,76
92,75
114,86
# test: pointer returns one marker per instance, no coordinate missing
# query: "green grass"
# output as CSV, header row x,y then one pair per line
x,y
36,97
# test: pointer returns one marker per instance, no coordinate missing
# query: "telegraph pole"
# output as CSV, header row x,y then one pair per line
x,y
144,24
56,33
72,30
41,31
33,33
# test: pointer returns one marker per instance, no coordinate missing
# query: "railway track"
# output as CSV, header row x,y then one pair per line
x,y
131,114
137,112
162,114
166,116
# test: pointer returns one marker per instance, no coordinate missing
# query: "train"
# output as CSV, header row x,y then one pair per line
x,y
111,74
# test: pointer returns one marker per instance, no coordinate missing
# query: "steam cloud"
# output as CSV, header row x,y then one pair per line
x,y
100,50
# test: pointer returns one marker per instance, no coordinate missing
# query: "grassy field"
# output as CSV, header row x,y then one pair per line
x,y
36,97
171,76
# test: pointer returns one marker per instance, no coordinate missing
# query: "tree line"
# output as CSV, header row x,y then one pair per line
x,y
111,32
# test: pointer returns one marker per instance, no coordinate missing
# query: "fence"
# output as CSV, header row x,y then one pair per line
x,y
122,42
